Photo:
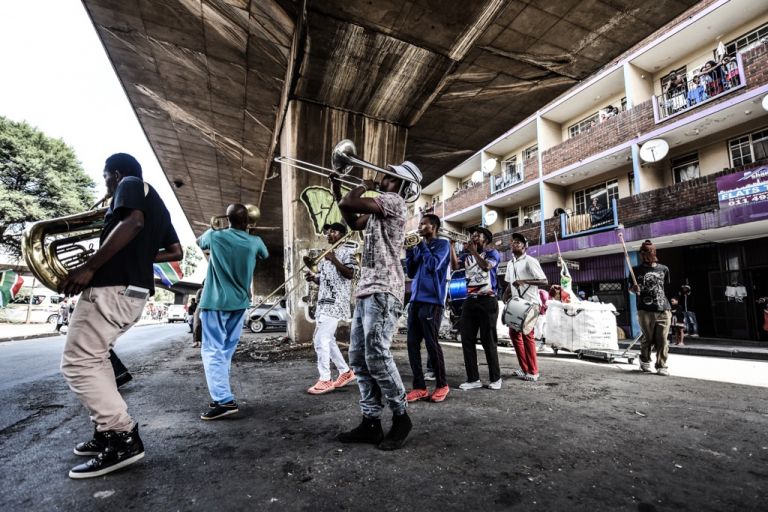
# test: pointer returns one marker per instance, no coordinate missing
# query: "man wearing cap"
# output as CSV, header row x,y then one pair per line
x,y
481,309
525,275
334,276
654,312
427,266
379,301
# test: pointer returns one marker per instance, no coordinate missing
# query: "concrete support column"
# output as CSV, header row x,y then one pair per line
x,y
310,133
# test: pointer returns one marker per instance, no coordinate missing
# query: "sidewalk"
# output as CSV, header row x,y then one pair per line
x,y
16,331
715,347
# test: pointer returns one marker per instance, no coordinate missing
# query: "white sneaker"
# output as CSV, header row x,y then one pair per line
x,y
531,377
517,372
645,367
429,376
471,385
495,385
663,371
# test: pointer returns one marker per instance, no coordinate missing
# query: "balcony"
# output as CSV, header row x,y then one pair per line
x,y
512,173
706,85
595,220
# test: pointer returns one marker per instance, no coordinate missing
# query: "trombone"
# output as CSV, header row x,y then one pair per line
x,y
413,238
343,160
221,222
309,264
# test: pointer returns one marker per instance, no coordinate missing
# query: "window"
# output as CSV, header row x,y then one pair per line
x,y
512,221
604,193
631,179
530,152
747,41
749,148
533,212
513,173
583,125
685,168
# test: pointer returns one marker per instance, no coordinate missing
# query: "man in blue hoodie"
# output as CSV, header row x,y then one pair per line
x,y
427,266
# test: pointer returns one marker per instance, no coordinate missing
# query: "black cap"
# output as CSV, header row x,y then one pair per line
x,y
521,237
484,231
336,226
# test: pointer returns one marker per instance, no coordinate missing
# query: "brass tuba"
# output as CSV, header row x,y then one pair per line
x,y
221,221
54,248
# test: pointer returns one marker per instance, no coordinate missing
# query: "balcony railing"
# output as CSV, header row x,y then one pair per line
x,y
706,85
512,174
599,219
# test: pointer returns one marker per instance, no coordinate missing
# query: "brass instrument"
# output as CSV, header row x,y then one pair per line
x,y
221,221
54,248
309,264
412,238
344,159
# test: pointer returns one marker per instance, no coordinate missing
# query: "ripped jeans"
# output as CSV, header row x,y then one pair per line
x,y
373,326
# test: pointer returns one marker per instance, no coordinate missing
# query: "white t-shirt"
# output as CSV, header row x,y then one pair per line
x,y
525,268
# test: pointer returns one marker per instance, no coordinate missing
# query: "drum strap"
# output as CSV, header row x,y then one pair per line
x,y
514,269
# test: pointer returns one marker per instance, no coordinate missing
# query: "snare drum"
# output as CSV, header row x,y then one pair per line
x,y
520,315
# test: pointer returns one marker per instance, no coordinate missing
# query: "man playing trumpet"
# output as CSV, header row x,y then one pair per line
x,y
380,292
334,277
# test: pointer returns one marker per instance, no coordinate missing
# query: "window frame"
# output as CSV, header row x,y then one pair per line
x,y
580,126
749,141
682,162
530,152
736,45
587,192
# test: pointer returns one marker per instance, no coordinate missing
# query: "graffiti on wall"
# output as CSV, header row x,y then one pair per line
x,y
321,207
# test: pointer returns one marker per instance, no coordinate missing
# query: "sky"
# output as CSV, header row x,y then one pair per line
x,y
56,76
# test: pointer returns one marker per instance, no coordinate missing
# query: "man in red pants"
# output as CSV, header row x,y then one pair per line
x,y
525,275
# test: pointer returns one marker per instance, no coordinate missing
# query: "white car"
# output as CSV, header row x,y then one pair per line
x,y
176,313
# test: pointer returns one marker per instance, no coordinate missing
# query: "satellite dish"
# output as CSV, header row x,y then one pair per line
x,y
765,102
490,165
654,150
477,177
490,217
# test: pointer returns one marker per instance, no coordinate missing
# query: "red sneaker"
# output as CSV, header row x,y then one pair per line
x,y
440,394
344,379
417,394
321,386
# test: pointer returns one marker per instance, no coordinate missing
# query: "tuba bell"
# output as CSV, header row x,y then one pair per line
x,y
54,248
221,222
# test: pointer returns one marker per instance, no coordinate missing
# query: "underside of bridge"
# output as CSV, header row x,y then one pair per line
x,y
215,83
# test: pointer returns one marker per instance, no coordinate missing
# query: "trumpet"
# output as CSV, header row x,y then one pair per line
x,y
344,159
221,222
412,238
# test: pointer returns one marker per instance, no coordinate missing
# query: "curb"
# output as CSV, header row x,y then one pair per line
x,y
715,351
52,334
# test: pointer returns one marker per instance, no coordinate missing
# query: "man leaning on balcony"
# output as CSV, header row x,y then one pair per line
x,y
653,309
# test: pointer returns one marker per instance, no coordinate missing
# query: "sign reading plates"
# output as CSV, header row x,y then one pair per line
x,y
570,264
742,188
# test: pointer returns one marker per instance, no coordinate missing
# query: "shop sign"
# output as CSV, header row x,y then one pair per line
x,y
741,188
570,264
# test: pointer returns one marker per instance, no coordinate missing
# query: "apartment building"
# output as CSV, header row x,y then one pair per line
x,y
669,142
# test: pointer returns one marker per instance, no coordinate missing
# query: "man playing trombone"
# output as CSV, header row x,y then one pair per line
x,y
379,303
335,273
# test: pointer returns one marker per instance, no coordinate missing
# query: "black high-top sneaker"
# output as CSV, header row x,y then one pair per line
x,y
368,431
123,449
93,447
395,438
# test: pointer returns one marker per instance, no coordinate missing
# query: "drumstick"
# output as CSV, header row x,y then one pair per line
x,y
626,255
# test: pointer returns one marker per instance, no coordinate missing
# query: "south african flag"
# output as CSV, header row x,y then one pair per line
x,y
10,284
169,272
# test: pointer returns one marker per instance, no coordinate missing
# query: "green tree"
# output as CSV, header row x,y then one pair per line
x,y
40,178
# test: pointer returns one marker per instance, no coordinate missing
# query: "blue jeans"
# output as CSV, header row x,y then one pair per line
x,y
373,326
221,332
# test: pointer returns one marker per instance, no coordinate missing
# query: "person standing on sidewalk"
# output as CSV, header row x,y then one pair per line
x,y
481,309
525,275
380,293
225,298
427,266
334,277
653,308
115,284
63,318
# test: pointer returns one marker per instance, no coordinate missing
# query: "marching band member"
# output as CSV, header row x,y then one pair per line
x,y
481,309
334,276
427,265
223,303
524,270
115,284
379,303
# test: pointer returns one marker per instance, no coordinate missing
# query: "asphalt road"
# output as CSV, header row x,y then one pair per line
x,y
587,436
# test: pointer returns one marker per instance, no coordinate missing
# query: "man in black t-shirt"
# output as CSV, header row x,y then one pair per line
x,y
653,309
115,284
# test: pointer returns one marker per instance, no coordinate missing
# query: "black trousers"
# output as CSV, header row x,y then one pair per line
x,y
424,323
480,313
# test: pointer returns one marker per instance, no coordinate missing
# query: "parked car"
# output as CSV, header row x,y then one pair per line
x,y
45,307
176,313
257,319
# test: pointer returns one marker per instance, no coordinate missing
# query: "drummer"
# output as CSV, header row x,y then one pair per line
x,y
481,309
525,275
